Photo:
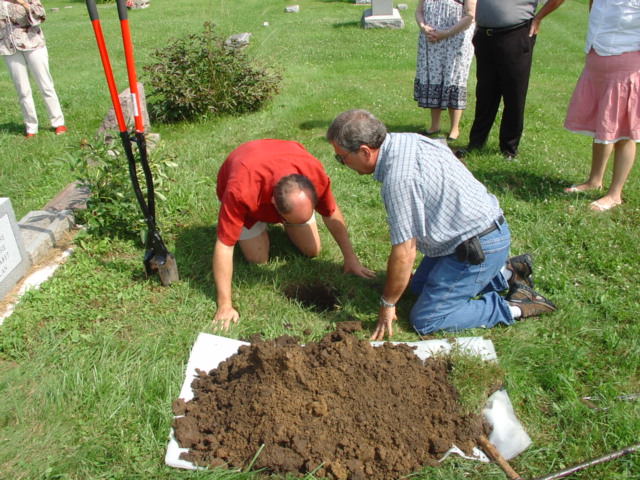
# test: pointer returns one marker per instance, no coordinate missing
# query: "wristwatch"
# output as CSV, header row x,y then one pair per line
x,y
385,304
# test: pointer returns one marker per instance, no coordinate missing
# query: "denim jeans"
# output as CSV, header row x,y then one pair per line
x,y
447,289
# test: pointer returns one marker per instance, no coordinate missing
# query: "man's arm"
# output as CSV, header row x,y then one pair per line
x,y
399,268
546,9
222,274
338,229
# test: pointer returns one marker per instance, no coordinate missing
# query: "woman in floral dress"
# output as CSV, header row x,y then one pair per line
x,y
444,57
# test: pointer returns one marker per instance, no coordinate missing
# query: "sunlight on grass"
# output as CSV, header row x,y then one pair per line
x,y
90,363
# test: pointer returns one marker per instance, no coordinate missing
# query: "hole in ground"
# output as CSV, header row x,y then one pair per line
x,y
316,296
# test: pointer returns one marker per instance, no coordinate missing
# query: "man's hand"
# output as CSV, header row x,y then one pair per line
x,y
386,316
534,28
223,318
356,268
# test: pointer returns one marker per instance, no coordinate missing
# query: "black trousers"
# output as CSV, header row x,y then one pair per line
x,y
503,65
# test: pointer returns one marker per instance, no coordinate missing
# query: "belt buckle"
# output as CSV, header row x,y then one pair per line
x,y
489,32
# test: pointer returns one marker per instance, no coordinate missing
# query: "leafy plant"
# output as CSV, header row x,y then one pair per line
x,y
199,76
112,209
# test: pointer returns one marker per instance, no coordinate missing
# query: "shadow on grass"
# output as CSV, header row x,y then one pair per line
x,y
521,178
287,270
12,128
346,25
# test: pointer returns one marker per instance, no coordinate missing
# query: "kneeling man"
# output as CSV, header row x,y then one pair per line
x,y
272,181
434,205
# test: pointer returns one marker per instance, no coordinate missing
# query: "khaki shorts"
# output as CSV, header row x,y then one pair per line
x,y
259,227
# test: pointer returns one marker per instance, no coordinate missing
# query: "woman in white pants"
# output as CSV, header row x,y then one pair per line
x,y
22,46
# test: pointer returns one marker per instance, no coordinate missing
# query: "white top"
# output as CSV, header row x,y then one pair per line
x,y
614,27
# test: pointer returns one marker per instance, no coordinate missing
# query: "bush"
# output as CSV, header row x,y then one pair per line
x,y
112,209
198,76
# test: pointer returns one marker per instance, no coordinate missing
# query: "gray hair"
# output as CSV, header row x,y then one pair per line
x,y
354,128
289,184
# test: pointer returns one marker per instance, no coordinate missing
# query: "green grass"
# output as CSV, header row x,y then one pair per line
x,y
90,363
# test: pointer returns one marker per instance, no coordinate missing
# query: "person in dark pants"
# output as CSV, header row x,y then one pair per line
x,y
503,41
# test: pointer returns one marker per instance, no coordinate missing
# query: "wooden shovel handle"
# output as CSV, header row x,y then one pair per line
x,y
495,455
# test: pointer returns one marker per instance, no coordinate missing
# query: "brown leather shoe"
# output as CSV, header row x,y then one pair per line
x,y
521,269
530,302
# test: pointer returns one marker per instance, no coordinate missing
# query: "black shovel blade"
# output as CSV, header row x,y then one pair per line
x,y
162,264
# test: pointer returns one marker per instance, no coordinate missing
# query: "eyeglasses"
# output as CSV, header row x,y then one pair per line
x,y
341,159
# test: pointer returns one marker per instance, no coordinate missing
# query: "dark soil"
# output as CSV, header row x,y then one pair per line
x,y
316,296
340,408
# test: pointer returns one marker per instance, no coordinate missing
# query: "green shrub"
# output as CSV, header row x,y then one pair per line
x,y
112,209
198,76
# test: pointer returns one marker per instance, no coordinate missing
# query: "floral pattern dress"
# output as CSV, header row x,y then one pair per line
x,y
442,68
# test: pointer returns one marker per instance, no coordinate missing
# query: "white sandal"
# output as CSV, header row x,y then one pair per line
x,y
599,207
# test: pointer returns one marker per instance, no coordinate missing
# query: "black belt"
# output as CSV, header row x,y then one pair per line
x,y
492,32
492,227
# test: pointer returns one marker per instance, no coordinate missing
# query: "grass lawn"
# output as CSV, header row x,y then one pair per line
x,y
90,363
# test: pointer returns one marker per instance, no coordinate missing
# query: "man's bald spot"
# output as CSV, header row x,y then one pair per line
x,y
294,192
301,207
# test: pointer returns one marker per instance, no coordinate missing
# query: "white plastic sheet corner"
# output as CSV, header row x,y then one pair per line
x,y
508,435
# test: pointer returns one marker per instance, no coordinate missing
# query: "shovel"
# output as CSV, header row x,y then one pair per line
x,y
495,455
156,258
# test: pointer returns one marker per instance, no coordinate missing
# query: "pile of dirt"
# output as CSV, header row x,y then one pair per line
x,y
339,408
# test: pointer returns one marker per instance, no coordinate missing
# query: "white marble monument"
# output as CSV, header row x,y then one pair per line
x,y
382,15
14,260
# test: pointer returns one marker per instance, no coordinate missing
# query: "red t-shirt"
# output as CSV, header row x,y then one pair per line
x,y
248,175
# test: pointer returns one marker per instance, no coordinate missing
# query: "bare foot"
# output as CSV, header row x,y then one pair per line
x,y
581,187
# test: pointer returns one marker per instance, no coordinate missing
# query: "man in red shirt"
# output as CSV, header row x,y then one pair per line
x,y
272,181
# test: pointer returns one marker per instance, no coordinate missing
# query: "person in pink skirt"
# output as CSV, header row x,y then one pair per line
x,y
605,104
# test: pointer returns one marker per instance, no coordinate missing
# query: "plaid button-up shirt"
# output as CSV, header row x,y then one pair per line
x,y
430,195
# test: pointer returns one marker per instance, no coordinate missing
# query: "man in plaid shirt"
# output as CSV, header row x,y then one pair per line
x,y
434,205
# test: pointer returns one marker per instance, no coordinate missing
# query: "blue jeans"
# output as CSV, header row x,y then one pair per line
x,y
447,289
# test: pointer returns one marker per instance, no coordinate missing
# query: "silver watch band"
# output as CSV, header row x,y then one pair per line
x,y
385,304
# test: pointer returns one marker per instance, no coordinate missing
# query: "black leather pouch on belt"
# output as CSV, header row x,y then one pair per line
x,y
470,251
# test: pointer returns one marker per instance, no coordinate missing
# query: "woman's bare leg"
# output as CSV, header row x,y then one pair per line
x,y
454,119
623,159
436,114
600,153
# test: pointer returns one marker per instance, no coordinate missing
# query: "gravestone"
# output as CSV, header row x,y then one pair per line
x,y
382,7
238,41
14,260
42,230
126,102
140,3
382,15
